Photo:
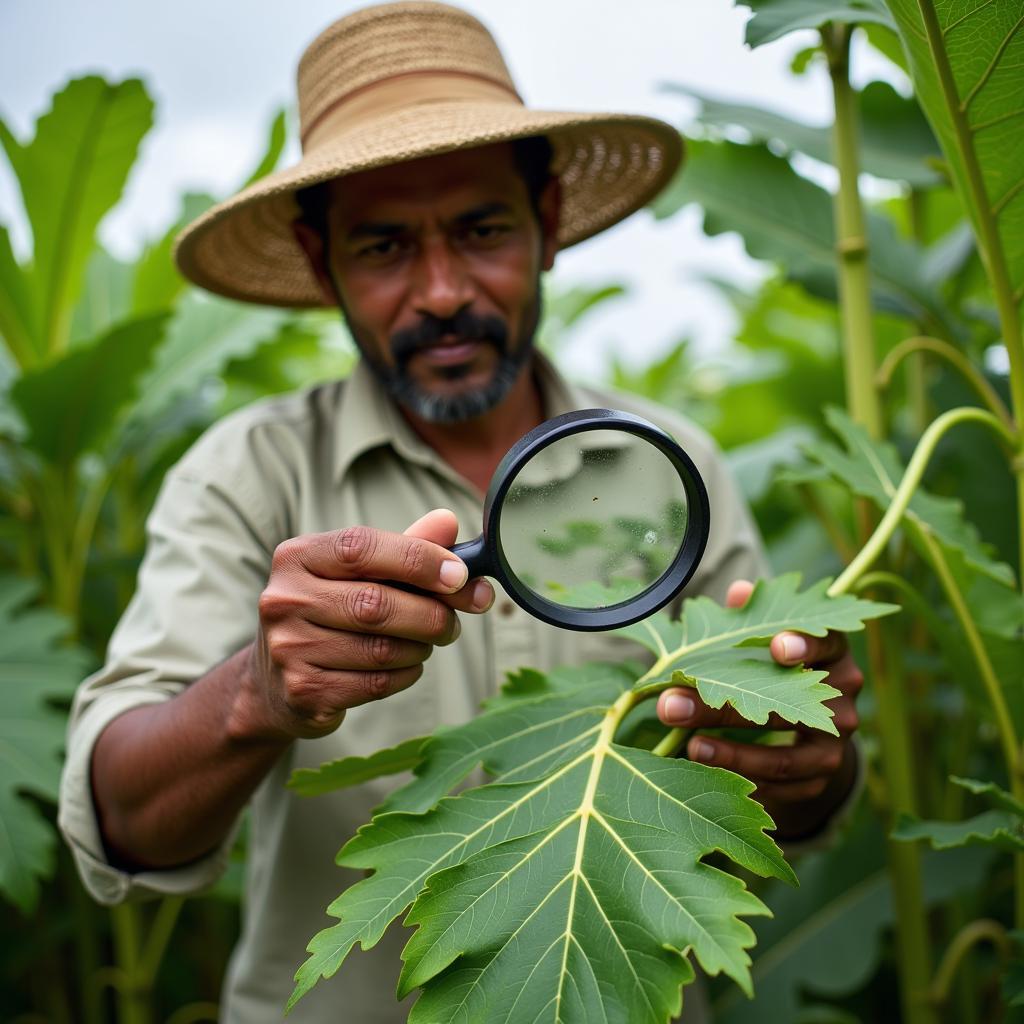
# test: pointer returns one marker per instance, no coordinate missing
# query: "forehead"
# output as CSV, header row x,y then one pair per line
x,y
449,179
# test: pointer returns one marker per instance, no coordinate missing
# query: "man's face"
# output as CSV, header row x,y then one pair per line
x,y
437,267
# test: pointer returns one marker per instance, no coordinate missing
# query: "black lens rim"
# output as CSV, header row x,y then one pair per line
x,y
623,613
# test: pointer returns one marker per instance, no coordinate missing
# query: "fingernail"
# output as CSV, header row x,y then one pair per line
x,y
703,751
453,573
679,708
483,595
794,648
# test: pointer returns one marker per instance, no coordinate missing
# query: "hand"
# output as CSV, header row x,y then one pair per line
x,y
799,785
334,634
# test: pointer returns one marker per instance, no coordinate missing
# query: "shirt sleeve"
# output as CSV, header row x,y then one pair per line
x,y
207,559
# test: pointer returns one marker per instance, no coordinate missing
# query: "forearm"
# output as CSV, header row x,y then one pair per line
x,y
169,779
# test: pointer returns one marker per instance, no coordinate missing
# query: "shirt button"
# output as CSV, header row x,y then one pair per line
x,y
506,608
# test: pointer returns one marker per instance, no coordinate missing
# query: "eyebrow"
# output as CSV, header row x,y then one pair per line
x,y
389,229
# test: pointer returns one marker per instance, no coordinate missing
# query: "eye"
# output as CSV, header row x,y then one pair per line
x,y
487,233
385,249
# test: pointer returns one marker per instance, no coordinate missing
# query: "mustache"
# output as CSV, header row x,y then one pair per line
x,y
431,329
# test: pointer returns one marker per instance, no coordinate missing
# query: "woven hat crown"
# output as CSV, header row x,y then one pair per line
x,y
389,41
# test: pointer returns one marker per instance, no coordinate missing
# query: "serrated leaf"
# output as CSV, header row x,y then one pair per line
x,y
773,19
71,173
616,800
708,647
991,828
787,219
72,405
352,771
873,470
34,670
993,794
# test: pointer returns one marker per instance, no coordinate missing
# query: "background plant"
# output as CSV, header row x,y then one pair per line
x,y
937,286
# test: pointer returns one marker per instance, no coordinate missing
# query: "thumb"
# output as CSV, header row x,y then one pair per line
x,y
439,526
738,593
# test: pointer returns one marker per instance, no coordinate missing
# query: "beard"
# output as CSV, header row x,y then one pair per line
x,y
431,406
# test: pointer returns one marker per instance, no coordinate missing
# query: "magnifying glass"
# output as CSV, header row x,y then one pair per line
x,y
593,520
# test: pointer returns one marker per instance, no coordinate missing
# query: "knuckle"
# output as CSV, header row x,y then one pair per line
x,y
414,559
354,546
274,604
370,605
375,684
287,552
441,623
381,650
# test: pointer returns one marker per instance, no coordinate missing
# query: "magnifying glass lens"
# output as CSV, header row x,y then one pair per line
x,y
596,517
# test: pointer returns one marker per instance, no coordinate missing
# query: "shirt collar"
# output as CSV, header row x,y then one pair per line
x,y
368,418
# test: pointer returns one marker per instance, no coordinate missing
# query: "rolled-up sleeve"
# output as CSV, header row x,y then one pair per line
x,y
210,542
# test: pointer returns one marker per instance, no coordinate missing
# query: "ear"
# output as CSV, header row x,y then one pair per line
x,y
313,246
549,204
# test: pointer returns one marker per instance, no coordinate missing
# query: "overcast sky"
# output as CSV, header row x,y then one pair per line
x,y
219,68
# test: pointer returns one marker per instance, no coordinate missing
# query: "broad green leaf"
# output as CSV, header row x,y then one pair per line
x,y
35,669
895,139
71,174
826,938
205,334
72,405
710,648
993,794
873,470
610,815
965,61
106,298
276,138
17,316
787,219
772,19
157,284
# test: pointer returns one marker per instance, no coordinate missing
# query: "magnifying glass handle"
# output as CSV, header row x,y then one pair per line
x,y
472,553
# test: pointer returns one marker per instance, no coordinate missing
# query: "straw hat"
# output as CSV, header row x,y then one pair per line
x,y
400,81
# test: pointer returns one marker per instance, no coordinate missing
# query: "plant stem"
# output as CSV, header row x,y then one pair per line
x,y
133,995
982,930
672,742
900,499
973,376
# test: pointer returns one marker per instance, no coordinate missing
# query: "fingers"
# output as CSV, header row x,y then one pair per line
x,y
363,553
738,593
814,758
814,651
683,707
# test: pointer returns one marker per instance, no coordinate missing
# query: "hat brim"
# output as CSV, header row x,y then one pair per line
x,y
609,166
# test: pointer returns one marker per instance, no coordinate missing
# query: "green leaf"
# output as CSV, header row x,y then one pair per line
x,y
965,61
581,861
709,648
106,297
772,19
351,771
276,138
873,470
206,333
785,218
896,140
72,406
991,828
34,670
827,937
71,174
993,794
17,323
157,285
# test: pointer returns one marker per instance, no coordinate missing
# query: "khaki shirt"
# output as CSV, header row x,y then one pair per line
x,y
332,456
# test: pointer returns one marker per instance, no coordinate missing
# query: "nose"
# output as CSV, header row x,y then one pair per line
x,y
441,286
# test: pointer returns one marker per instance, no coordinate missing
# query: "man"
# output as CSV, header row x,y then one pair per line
x,y
264,635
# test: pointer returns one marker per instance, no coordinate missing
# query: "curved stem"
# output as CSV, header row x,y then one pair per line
x,y
672,742
905,491
982,930
953,356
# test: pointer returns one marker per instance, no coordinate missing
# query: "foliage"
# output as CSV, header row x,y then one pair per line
x,y
560,872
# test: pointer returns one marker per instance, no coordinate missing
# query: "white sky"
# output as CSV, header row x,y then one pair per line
x,y
219,68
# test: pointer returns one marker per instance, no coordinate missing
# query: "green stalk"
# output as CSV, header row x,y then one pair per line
x,y
970,373
981,930
913,948
908,485
133,1006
